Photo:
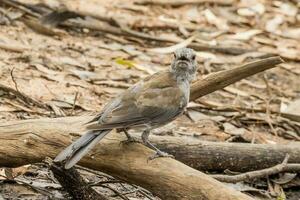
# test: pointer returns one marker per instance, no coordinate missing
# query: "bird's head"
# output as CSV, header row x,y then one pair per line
x,y
184,64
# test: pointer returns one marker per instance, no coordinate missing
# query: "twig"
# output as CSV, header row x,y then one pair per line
x,y
214,106
98,173
282,167
268,118
221,49
35,188
227,108
13,79
22,96
115,84
74,103
143,192
130,192
115,191
13,47
181,2
267,101
100,183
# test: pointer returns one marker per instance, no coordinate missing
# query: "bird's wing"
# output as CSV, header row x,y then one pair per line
x,y
143,103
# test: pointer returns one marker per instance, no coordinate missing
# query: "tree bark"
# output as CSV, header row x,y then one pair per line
x,y
31,141
221,79
219,156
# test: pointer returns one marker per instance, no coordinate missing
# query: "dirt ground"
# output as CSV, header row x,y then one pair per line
x,y
76,67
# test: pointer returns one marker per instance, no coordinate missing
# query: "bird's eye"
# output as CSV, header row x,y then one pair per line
x,y
193,57
174,55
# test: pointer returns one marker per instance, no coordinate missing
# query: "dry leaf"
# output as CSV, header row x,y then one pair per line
x,y
245,36
273,24
253,10
211,18
197,116
12,45
293,33
292,111
290,67
170,49
285,178
233,130
286,8
236,91
193,14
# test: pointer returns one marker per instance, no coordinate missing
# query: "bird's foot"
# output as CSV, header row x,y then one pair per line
x,y
131,140
159,154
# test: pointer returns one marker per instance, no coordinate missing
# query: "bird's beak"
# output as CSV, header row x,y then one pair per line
x,y
182,64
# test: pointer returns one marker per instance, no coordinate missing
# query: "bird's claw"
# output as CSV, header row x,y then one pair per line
x,y
160,154
130,140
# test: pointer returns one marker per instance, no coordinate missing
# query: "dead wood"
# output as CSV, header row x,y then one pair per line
x,y
219,156
224,78
31,141
202,155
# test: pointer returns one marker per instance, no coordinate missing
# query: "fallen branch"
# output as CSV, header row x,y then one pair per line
x,y
282,167
224,78
31,141
202,155
219,156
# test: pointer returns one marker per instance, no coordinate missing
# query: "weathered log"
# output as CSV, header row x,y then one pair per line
x,y
31,141
219,156
202,155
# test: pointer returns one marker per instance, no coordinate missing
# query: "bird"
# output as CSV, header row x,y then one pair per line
x,y
150,103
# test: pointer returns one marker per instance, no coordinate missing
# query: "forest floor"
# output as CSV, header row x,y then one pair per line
x,y
76,67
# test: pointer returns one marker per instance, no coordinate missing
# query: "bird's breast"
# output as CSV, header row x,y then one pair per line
x,y
184,88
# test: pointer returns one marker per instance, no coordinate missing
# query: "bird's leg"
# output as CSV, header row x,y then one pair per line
x,y
159,153
129,137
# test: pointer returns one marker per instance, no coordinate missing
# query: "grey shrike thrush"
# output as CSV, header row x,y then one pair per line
x,y
148,104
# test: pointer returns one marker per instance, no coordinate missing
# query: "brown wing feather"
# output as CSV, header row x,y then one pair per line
x,y
141,104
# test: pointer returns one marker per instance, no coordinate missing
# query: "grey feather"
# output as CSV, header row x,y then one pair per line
x,y
80,147
84,149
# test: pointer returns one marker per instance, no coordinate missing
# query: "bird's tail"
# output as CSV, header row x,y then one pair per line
x,y
73,153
